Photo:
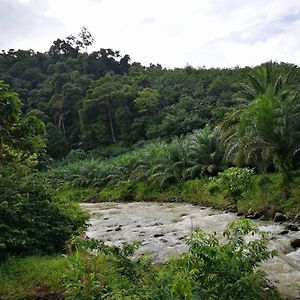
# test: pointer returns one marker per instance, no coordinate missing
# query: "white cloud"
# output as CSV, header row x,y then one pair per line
x,y
175,32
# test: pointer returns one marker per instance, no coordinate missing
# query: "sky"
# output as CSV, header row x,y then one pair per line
x,y
173,33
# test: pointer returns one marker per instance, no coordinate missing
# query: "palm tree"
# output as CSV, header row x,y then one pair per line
x,y
266,131
205,153
264,80
172,165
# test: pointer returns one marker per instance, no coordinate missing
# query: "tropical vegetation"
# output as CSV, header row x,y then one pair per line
x,y
78,126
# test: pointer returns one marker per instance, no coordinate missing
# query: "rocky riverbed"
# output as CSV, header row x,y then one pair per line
x,y
163,227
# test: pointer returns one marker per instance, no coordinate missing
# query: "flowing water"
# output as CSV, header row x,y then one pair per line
x,y
163,227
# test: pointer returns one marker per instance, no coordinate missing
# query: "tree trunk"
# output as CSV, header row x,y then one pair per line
x,y
61,124
110,123
1,150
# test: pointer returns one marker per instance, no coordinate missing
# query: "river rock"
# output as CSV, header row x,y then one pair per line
x,y
291,227
265,214
295,243
284,232
253,215
158,235
279,217
118,228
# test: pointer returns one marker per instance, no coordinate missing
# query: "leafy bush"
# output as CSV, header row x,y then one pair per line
x,y
76,155
122,191
86,280
32,220
234,182
214,270
210,269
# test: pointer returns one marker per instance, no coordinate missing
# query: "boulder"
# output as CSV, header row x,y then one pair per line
x,y
291,227
295,243
284,232
253,214
269,213
279,217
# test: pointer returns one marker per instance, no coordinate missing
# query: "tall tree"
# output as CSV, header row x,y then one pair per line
x,y
86,38
266,131
21,137
10,110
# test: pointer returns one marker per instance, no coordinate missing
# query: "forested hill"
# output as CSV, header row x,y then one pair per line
x,y
101,98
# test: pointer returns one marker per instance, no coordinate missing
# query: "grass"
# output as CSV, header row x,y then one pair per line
x,y
32,277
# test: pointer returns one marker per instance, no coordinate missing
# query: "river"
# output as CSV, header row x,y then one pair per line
x,y
163,227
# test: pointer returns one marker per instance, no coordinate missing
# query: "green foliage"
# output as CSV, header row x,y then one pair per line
x,y
32,220
227,271
32,277
21,137
147,101
160,164
233,182
57,146
10,109
122,191
86,279
264,133
210,269
205,153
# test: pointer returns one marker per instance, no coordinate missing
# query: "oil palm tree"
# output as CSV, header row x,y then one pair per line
x,y
265,80
266,131
172,164
205,153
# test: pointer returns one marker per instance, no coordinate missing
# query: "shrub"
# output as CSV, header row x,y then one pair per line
x,y
210,269
76,155
122,191
215,270
32,220
234,182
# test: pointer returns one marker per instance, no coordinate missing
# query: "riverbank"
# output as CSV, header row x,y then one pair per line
x,y
42,277
161,228
263,198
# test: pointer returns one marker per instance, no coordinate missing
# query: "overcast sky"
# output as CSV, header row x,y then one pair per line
x,y
173,33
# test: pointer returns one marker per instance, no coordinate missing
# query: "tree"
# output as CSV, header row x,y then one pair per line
x,y
21,137
10,110
266,131
205,153
86,38
101,111
264,80
148,101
